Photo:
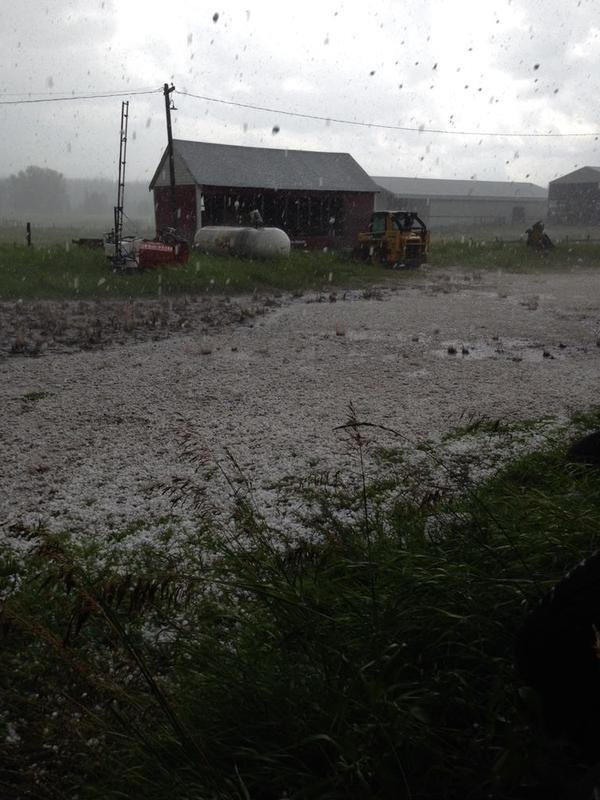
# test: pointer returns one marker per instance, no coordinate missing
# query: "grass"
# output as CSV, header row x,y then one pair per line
x,y
503,232
369,660
58,273
477,425
33,397
70,272
513,256
60,230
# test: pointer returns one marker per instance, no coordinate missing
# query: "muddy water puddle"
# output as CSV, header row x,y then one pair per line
x,y
507,349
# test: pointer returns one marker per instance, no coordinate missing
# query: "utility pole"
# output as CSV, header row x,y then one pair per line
x,y
170,106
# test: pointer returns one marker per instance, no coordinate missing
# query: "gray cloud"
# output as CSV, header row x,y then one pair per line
x,y
439,65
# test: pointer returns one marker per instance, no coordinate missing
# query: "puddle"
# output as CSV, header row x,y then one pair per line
x,y
504,349
336,295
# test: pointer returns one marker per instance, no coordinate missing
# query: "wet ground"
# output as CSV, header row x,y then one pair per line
x,y
102,436
48,327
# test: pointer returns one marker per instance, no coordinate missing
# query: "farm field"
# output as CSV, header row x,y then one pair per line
x,y
73,273
290,536
94,428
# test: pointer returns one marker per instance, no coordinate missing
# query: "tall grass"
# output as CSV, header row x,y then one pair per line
x,y
513,256
77,273
367,659
72,272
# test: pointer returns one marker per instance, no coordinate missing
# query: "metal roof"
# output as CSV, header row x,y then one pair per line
x,y
442,188
581,175
269,168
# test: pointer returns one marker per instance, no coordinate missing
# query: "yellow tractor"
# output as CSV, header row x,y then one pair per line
x,y
394,239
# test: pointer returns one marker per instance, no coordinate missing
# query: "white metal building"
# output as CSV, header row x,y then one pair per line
x,y
452,203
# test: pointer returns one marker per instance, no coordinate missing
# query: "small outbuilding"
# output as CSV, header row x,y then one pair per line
x,y
451,203
323,199
574,198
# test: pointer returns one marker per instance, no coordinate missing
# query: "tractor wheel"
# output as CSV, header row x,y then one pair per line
x,y
362,253
381,257
371,255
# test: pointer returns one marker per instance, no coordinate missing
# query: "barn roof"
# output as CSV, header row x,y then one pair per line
x,y
450,188
268,168
581,175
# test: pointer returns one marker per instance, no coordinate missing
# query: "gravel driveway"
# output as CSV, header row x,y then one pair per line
x,y
92,440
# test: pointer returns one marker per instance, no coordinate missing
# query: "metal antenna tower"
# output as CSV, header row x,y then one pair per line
x,y
119,258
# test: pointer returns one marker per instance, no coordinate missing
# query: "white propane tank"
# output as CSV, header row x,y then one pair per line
x,y
249,242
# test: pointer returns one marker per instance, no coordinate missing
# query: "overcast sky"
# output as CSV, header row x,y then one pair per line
x,y
478,65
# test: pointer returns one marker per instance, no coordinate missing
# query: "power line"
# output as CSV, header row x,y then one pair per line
x,y
407,128
75,97
420,129
74,92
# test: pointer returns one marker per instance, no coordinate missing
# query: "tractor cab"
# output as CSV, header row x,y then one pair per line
x,y
394,239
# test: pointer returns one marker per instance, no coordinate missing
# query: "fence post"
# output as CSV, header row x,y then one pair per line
x,y
29,234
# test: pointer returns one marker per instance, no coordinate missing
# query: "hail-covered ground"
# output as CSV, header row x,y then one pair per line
x,y
152,426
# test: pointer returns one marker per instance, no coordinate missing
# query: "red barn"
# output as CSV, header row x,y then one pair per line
x,y
319,198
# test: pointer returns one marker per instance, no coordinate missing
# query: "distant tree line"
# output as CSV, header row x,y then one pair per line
x,y
37,189
41,191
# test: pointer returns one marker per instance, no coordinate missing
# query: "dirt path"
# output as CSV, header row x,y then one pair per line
x,y
94,440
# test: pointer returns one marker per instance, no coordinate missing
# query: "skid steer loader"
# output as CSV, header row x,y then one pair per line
x,y
394,239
